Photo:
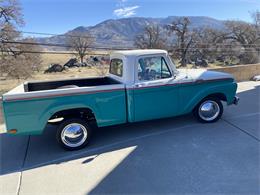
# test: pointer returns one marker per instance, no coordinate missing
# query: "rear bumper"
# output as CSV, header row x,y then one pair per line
x,y
236,100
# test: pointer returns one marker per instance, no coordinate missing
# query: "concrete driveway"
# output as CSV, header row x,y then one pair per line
x,y
176,155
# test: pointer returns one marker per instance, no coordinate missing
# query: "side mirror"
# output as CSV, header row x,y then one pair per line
x,y
174,74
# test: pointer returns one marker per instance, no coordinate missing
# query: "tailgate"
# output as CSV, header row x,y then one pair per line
x,y
2,123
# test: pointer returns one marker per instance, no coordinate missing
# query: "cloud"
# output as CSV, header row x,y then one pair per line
x,y
126,11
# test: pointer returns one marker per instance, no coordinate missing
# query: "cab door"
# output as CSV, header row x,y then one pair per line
x,y
156,95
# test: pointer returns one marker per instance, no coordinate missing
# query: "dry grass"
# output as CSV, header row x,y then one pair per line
x,y
47,59
6,85
210,65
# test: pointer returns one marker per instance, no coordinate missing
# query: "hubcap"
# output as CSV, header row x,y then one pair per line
x,y
209,110
74,135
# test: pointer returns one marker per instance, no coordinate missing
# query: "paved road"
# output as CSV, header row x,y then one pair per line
x,y
176,155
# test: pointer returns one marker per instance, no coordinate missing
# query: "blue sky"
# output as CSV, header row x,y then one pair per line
x,y
59,16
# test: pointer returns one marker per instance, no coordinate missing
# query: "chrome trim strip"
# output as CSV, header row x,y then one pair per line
x,y
10,99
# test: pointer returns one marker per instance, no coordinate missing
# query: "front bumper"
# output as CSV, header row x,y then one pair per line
x,y
236,100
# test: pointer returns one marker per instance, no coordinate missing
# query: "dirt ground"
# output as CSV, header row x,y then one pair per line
x,y
8,84
48,58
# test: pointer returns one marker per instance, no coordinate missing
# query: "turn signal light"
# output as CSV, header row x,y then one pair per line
x,y
12,131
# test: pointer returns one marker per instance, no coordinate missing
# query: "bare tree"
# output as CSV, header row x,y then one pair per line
x,y
19,62
10,12
8,33
10,17
151,38
203,46
180,28
80,42
246,35
206,47
15,59
256,19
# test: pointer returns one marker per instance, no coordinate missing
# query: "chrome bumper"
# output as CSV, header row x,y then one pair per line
x,y
236,100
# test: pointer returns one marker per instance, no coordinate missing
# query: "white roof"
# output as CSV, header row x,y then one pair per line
x,y
139,52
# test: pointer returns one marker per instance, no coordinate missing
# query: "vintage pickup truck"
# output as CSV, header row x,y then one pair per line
x,y
141,85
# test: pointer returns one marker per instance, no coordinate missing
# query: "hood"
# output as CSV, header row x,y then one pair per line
x,y
203,74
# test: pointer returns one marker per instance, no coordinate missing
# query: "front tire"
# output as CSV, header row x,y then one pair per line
x,y
73,134
209,110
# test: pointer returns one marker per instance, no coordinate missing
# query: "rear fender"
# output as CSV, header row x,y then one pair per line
x,y
60,107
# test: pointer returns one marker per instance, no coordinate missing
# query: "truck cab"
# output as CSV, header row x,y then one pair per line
x,y
145,74
157,89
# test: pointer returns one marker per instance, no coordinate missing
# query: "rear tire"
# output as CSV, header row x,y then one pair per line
x,y
73,134
209,110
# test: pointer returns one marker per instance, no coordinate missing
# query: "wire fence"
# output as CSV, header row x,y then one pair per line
x,y
228,48
47,34
64,45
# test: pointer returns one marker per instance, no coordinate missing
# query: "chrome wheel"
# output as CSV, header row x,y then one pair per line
x,y
74,135
209,110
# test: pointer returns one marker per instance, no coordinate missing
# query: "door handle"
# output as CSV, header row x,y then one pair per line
x,y
138,85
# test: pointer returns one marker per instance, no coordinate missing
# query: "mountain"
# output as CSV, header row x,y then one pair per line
x,y
121,32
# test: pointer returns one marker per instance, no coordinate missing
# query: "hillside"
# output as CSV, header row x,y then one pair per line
x,y
121,32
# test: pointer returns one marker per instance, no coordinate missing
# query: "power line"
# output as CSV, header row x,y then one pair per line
x,y
71,35
91,53
69,46
34,43
50,52
193,49
52,34
47,34
60,45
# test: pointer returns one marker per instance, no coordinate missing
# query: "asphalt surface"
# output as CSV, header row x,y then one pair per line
x,y
176,155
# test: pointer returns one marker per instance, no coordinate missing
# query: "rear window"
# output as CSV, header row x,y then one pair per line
x,y
116,67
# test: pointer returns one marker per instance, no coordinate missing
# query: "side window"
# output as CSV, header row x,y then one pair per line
x,y
152,68
116,67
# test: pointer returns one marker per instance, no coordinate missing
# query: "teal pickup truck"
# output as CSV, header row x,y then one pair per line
x,y
141,85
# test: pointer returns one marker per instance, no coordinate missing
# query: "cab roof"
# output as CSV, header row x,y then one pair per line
x,y
139,52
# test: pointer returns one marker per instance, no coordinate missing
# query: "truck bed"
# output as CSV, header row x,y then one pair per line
x,y
83,82
29,106
39,89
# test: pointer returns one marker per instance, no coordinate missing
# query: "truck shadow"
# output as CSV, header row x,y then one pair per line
x,y
24,153
20,153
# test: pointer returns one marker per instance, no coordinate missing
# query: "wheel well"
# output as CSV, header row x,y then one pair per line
x,y
220,96
84,113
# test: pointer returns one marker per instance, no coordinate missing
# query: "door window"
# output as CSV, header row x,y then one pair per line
x,y
152,68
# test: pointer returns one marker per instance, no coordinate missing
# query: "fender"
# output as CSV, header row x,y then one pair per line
x,y
228,89
57,107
